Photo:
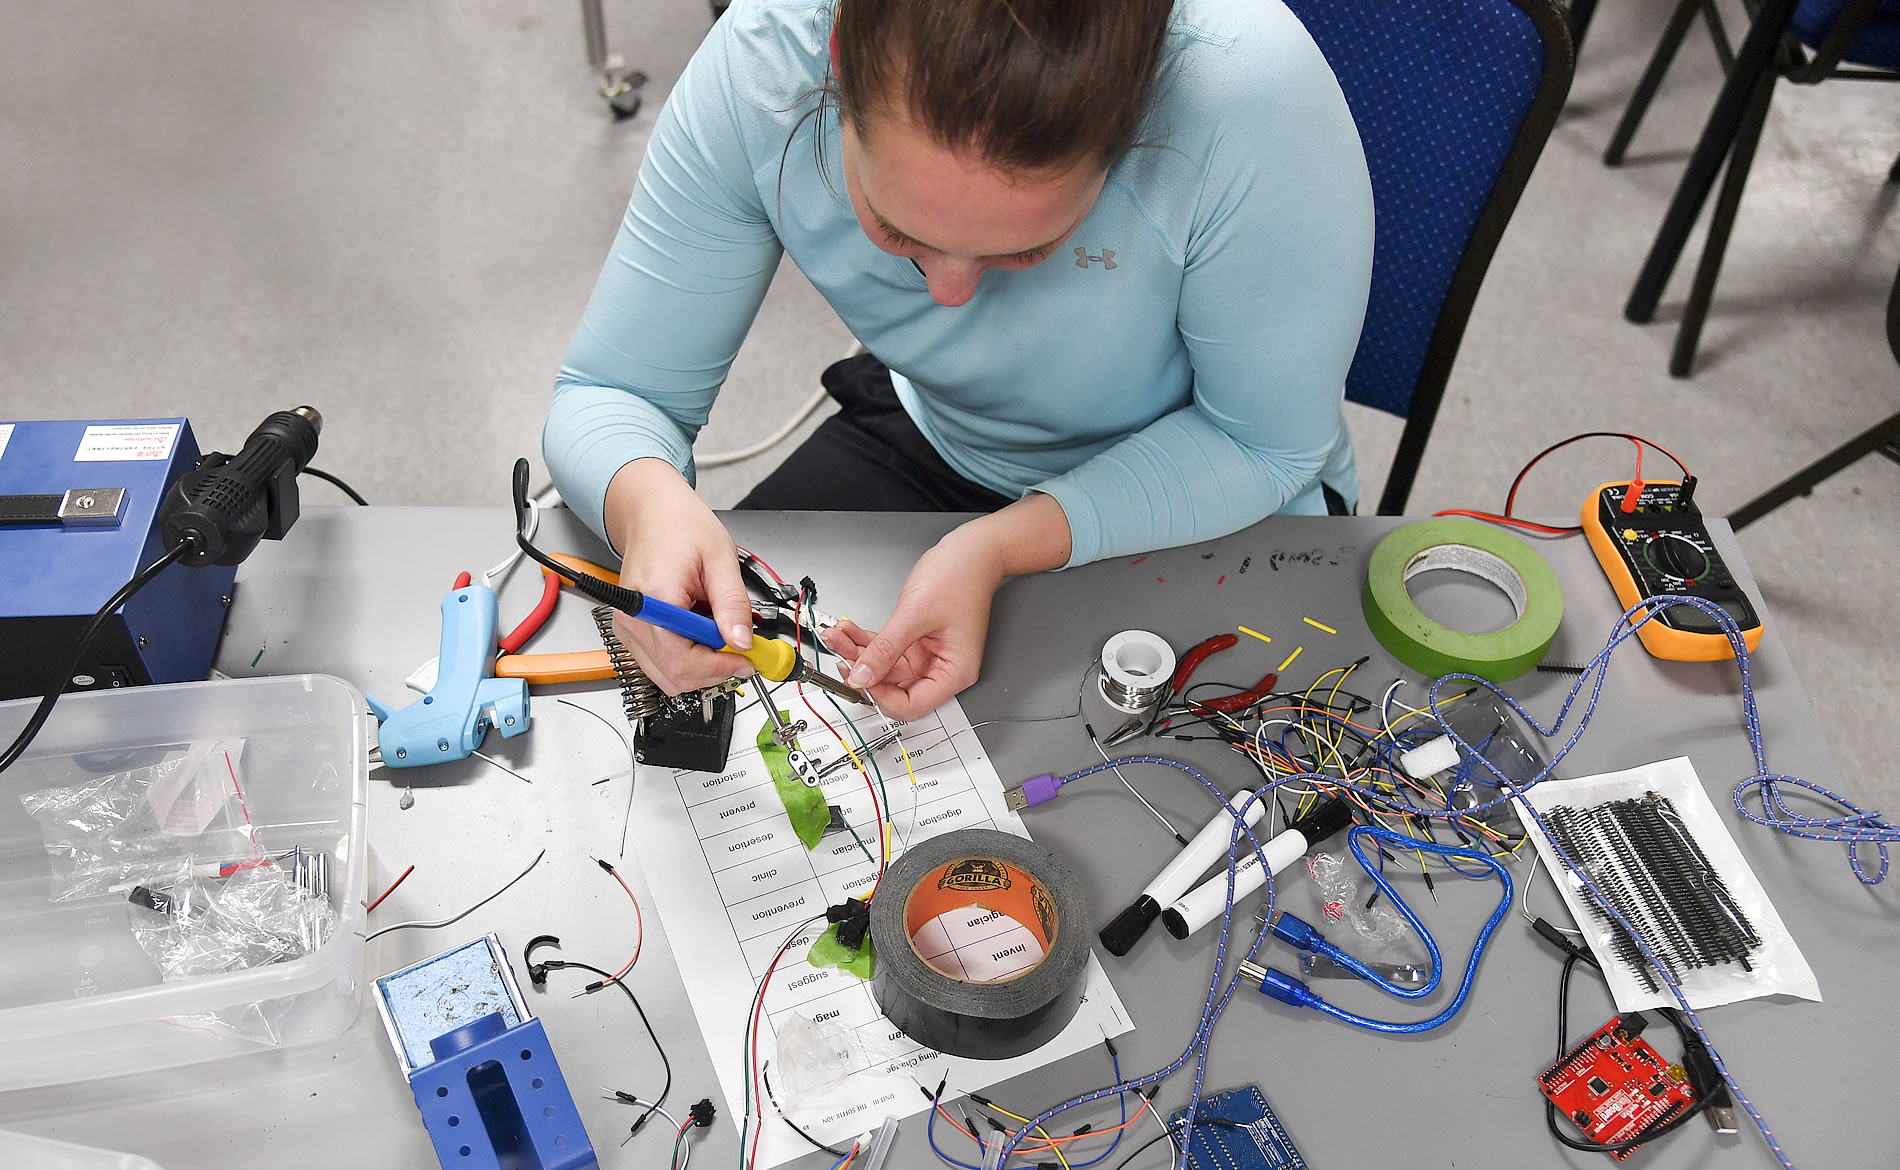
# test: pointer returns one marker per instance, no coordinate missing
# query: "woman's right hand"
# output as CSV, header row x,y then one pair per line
x,y
672,547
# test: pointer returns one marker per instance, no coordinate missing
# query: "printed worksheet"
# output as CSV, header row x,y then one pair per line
x,y
734,883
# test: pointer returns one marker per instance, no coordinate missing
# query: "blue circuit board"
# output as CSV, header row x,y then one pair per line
x,y
1256,1142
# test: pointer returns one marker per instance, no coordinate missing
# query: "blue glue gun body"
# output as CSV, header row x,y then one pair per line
x,y
449,722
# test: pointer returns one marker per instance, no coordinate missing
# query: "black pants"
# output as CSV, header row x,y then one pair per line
x,y
870,457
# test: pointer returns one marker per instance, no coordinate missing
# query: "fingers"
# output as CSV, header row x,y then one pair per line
x,y
726,594
675,664
881,651
847,639
916,699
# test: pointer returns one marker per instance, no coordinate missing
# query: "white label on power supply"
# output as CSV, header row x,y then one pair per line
x,y
126,441
6,433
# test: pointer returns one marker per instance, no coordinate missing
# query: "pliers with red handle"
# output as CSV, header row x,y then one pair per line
x,y
1172,702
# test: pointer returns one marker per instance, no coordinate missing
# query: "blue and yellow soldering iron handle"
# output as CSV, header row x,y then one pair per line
x,y
774,660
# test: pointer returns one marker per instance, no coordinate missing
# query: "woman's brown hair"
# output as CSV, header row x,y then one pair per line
x,y
1025,84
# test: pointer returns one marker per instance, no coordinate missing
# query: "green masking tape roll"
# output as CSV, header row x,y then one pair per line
x,y
1468,547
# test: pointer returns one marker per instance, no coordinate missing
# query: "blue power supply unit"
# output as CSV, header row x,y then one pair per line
x,y
78,508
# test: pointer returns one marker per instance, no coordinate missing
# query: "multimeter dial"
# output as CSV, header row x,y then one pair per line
x,y
1665,548
1680,556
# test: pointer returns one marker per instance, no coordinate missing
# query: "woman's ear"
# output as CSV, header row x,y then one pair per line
x,y
834,52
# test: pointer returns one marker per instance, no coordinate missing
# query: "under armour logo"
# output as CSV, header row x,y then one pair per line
x,y
1083,259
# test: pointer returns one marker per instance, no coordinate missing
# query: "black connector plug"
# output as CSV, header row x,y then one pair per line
x,y
853,920
702,1113
1708,1084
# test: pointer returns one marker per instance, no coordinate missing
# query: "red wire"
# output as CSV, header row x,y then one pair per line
x,y
758,1011
1494,518
537,617
462,581
390,890
1630,497
759,561
876,809
1510,499
639,919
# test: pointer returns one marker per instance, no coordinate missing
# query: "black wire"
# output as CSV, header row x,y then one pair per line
x,y
1143,1146
40,713
347,489
1563,1047
765,1071
560,964
1172,1126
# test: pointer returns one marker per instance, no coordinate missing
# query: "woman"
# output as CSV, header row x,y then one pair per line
x,y
1114,252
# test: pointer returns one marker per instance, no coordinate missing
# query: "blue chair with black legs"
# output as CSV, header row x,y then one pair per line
x,y
1802,41
1454,100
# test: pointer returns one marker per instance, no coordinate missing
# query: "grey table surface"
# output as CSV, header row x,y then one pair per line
x,y
354,593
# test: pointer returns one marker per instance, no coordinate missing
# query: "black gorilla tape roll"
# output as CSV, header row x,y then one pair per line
x,y
997,873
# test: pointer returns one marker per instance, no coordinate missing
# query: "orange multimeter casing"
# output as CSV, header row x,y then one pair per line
x,y
1662,546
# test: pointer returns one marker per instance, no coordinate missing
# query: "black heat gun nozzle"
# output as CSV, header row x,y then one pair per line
x,y
226,504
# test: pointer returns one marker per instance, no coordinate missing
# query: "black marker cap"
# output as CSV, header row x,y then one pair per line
x,y
1120,935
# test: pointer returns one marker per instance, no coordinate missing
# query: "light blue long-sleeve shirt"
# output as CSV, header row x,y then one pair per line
x,y
1173,373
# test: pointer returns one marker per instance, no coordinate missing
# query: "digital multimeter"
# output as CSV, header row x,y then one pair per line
x,y
1662,546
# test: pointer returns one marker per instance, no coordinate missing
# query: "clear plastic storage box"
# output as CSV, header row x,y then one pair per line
x,y
124,862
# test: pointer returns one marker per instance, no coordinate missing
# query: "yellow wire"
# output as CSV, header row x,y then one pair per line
x,y
1418,711
1045,1133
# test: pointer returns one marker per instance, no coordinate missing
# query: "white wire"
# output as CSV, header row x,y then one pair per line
x,y
533,524
1524,903
752,451
454,918
655,1106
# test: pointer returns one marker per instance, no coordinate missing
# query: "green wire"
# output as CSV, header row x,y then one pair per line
x,y
818,662
674,1160
860,841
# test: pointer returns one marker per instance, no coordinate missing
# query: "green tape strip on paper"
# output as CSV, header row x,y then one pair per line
x,y
827,951
1467,546
806,806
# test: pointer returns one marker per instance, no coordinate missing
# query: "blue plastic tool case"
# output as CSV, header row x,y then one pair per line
x,y
480,1066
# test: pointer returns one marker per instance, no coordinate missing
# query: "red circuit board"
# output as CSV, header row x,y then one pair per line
x,y
1613,1086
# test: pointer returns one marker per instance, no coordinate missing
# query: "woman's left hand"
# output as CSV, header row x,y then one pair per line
x,y
932,646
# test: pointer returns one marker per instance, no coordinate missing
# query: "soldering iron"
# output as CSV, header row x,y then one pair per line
x,y
212,515
776,661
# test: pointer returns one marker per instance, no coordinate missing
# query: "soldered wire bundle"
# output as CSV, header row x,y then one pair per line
x,y
1855,828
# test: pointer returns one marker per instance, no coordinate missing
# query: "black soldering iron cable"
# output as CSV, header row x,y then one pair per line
x,y
40,713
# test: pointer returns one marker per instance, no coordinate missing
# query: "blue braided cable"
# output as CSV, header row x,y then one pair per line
x,y
1626,627
1399,840
1858,827
1215,1003
1116,1062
